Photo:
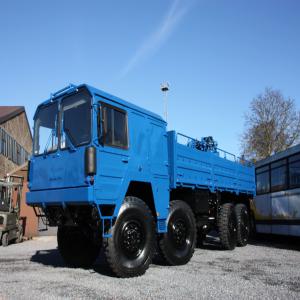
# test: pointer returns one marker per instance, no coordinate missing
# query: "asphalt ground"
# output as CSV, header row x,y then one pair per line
x,y
269,268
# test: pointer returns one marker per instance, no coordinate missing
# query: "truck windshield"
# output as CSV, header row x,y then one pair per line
x,y
76,118
75,124
45,137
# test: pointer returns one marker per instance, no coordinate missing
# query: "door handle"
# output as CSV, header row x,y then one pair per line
x,y
125,160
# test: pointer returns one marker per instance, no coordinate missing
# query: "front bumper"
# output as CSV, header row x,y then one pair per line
x,y
61,196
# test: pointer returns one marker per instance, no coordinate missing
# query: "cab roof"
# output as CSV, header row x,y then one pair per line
x,y
97,92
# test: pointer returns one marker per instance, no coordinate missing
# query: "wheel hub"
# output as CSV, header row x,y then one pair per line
x,y
132,238
179,232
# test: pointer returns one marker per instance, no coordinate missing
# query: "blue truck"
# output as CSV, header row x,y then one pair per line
x,y
111,177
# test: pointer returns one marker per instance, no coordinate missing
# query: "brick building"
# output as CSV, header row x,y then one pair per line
x,y
15,138
15,148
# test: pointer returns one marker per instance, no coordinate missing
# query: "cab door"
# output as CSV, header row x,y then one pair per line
x,y
113,158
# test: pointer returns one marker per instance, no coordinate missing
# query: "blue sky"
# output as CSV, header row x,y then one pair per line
x,y
217,55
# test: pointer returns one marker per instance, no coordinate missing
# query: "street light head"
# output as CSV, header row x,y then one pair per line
x,y
164,87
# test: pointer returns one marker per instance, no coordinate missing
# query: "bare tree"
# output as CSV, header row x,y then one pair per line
x,y
271,125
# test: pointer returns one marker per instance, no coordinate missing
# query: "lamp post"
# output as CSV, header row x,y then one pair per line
x,y
165,88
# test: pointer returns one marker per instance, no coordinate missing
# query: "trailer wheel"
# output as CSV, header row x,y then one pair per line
x,y
130,249
5,239
178,243
78,246
227,226
243,224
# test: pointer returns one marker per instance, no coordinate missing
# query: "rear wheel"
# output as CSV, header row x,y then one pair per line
x,y
130,249
78,246
178,243
5,239
227,226
243,224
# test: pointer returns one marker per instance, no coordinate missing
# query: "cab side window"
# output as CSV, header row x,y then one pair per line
x,y
115,131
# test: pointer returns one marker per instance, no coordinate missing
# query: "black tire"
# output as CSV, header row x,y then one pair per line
x,y
177,245
243,224
5,240
227,226
130,249
78,245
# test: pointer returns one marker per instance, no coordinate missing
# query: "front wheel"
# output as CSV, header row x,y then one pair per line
x,y
130,249
178,243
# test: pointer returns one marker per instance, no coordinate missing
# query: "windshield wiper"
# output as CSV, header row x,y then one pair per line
x,y
50,138
70,139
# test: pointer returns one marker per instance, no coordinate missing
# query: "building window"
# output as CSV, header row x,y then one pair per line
x,y
262,180
19,161
3,144
294,171
279,175
14,151
11,149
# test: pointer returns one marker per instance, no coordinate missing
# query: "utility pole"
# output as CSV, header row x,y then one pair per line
x,y
165,88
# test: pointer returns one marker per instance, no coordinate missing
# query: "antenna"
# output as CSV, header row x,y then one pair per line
x,y
165,88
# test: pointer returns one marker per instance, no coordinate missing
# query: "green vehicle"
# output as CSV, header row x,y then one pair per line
x,y
10,228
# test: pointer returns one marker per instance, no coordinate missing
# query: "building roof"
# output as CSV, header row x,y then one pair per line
x,y
283,154
9,112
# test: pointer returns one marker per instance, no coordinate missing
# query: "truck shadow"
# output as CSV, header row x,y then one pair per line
x,y
53,258
49,257
211,242
276,241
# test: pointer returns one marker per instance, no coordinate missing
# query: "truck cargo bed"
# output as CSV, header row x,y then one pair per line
x,y
216,171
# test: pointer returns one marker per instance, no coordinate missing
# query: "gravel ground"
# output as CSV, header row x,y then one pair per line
x,y
266,269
